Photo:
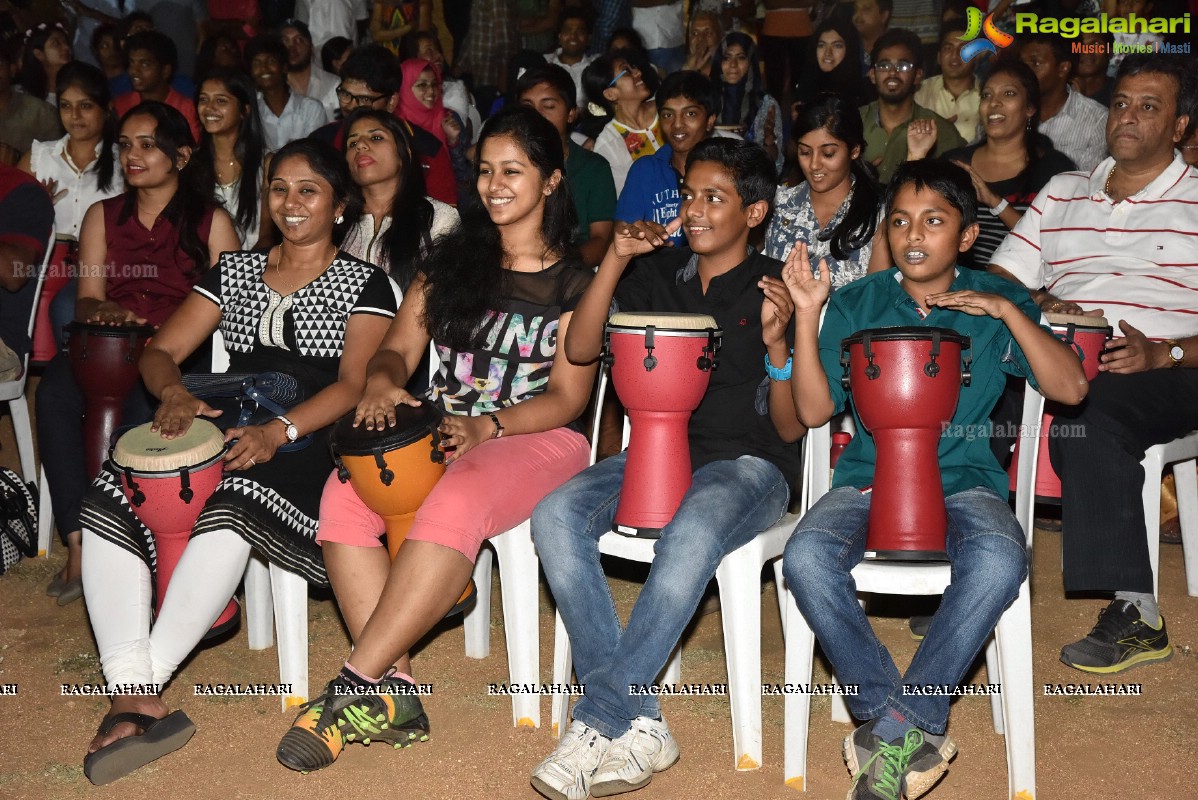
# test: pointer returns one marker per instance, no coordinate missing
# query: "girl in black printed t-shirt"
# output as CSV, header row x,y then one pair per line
x,y
495,297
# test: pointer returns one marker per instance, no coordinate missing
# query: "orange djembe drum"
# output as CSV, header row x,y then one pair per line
x,y
393,470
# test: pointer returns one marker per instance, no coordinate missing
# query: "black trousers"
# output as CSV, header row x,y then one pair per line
x,y
1097,452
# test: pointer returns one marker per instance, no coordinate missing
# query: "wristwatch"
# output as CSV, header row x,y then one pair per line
x,y
1176,353
292,431
498,427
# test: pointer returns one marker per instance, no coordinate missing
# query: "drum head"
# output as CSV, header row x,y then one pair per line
x,y
905,334
663,321
411,425
143,450
1077,321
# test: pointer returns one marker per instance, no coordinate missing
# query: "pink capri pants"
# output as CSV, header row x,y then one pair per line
x,y
489,490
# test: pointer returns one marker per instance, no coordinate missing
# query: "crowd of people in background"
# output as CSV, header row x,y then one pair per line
x,y
482,157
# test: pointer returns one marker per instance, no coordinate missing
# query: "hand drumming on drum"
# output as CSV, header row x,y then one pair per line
x,y
252,444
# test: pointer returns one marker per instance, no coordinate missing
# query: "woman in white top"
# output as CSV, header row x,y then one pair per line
x,y
232,148
80,168
614,84
77,170
381,161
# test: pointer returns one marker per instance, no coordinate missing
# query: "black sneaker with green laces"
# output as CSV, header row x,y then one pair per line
x,y
1121,640
906,767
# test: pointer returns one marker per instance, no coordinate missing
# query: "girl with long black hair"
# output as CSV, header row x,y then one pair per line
x,y
834,211
495,297
47,50
399,223
232,158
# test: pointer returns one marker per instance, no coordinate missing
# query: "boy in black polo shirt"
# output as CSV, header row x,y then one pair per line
x,y
741,444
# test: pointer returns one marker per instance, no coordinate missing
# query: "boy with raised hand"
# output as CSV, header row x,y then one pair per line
x,y
687,104
741,441
902,750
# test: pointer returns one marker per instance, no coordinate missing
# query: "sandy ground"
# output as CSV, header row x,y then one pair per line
x,y
1141,748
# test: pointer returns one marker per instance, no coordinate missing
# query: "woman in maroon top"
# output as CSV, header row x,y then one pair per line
x,y
139,255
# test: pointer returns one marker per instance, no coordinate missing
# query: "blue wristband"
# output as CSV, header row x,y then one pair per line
x,y
775,373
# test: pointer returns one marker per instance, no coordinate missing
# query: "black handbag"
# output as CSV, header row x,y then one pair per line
x,y
18,520
249,399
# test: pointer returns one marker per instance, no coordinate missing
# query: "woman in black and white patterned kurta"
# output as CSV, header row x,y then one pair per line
x,y
303,308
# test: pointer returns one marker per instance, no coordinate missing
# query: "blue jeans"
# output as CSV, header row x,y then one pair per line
x,y
988,552
728,504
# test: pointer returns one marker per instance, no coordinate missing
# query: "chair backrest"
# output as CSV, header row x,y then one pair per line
x,y
41,281
1028,460
43,268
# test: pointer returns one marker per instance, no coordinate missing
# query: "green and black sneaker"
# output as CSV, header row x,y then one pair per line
x,y
391,713
1121,640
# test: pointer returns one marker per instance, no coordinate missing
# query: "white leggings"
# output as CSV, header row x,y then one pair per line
x,y
119,591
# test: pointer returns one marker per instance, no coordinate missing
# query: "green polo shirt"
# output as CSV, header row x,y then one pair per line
x,y
892,147
879,301
592,188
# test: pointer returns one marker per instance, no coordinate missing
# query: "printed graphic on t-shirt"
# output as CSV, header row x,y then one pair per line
x,y
511,364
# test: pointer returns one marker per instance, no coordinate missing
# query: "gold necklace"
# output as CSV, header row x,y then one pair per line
x,y
1106,187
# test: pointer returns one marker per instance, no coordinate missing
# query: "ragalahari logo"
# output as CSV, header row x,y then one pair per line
x,y
994,38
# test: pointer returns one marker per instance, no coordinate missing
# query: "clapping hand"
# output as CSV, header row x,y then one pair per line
x,y
807,292
921,138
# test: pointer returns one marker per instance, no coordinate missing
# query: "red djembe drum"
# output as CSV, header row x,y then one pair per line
x,y
1088,337
167,482
393,470
660,367
905,384
104,363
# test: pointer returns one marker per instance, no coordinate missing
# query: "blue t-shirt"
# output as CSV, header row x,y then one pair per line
x,y
651,191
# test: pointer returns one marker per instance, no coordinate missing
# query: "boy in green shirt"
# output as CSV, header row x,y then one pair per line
x,y
902,750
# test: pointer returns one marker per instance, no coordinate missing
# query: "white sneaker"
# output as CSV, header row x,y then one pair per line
x,y
566,773
647,747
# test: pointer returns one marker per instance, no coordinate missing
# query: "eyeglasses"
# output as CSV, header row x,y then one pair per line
x,y
894,66
358,99
619,75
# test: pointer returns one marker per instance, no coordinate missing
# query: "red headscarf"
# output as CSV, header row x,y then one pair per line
x,y
412,109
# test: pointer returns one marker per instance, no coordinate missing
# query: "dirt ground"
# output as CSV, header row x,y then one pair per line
x,y
1108,747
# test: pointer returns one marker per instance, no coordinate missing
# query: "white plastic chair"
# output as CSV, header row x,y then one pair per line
x,y
519,572
13,393
1008,656
739,579
1181,453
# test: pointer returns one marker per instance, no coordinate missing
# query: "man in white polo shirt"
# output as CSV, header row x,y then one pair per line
x,y
1121,241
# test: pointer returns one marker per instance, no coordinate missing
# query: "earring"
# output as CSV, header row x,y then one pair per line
x,y
337,220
